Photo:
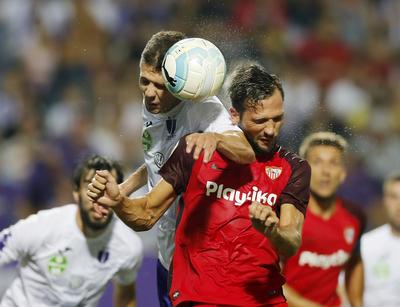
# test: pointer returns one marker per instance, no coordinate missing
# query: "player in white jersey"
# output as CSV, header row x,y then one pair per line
x,y
67,256
166,119
380,252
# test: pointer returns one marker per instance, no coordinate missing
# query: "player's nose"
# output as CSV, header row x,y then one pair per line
x,y
150,91
269,128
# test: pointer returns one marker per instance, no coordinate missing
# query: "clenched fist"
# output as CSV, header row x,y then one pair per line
x,y
263,218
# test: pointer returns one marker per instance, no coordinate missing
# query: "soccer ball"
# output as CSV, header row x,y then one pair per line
x,y
193,69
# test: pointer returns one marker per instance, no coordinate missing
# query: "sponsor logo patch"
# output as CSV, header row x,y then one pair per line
x,y
316,260
147,141
57,264
238,197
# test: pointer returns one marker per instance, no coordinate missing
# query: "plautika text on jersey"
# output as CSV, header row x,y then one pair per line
x,y
238,197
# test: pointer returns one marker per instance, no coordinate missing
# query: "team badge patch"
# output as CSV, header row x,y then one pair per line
x,y
159,159
273,172
349,235
147,141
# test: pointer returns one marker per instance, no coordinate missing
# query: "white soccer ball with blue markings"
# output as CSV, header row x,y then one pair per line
x,y
193,69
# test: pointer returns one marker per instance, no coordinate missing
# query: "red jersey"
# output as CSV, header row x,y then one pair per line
x,y
219,257
326,248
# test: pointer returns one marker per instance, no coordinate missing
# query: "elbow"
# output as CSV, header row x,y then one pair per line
x,y
246,156
250,156
141,226
290,248
289,251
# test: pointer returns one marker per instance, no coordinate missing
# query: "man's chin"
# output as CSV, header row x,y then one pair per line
x,y
99,224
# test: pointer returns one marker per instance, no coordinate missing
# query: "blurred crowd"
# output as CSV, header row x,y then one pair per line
x,y
69,75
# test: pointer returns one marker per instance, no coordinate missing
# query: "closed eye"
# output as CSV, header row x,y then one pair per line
x,y
143,81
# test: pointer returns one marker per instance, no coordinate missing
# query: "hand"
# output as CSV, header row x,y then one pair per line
x,y
206,141
104,192
263,218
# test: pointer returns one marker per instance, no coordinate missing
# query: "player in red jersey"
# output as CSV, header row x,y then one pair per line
x,y
331,231
222,257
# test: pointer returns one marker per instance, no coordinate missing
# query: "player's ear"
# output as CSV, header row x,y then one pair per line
x,y
235,116
343,175
75,195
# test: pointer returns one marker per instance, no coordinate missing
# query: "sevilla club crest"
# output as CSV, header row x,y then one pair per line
x,y
349,233
273,172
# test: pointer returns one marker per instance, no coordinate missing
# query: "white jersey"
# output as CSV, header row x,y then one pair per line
x,y
380,252
59,266
161,133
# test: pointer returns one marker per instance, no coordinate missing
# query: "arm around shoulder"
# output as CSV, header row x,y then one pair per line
x,y
234,145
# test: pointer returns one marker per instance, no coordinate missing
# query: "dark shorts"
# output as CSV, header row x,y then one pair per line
x,y
162,285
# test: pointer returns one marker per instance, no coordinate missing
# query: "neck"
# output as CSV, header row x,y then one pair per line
x,y
323,207
395,230
86,230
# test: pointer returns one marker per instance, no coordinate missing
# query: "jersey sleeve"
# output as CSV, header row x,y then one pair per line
x,y
211,116
297,190
20,240
127,273
177,170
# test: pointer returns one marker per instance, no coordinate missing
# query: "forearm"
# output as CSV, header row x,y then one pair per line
x,y
234,146
296,300
135,213
285,239
354,282
124,296
142,213
135,181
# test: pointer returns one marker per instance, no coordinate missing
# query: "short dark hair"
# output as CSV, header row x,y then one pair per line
x,y
96,162
158,45
250,84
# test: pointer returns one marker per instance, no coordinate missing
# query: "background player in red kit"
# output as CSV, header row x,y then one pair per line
x,y
331,231
219,258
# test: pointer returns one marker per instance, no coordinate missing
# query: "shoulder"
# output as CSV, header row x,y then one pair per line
x,y
45,219
296,163
376,234
127,239
206,105
355,211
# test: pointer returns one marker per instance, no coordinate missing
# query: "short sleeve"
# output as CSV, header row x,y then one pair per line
x,y
127,274
211,116
297,190
20,240
178,168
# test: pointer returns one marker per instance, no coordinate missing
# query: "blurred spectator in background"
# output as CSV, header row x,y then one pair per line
x,y
331,231
66,255
380,252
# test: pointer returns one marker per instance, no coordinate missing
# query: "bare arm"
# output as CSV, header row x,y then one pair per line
x,y
296,300
138,213
124,296
135,181
232,144
285,232
354,281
